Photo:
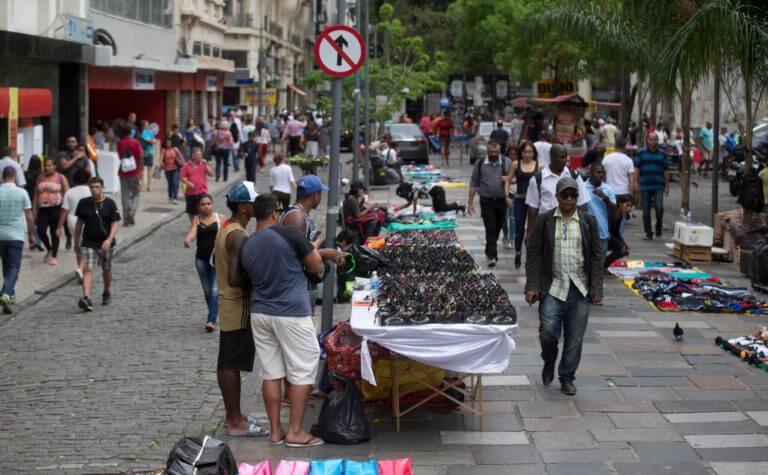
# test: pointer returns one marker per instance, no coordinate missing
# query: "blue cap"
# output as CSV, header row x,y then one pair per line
x,y
309,184
243,192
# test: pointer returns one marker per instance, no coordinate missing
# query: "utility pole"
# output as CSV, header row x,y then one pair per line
x,y
367,101
356,119
332,213
716,148
262,60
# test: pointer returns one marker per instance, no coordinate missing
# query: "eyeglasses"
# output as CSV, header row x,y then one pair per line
x,y
569,195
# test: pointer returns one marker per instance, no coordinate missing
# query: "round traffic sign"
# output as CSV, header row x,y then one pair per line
x,y
339,51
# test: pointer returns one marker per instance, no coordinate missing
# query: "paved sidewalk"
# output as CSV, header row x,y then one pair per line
x,y
646,404
39,278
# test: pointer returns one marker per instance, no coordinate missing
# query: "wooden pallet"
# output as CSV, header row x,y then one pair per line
x,y
693,254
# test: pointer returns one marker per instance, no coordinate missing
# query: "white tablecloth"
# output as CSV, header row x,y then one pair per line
x,y
464,348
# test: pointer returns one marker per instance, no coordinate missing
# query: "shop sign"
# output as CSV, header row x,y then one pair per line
x,y
268,96
211,83
543,87
13,116
567,118
143,80
78,29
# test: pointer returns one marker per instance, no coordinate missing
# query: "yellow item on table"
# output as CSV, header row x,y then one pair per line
x,y
408,377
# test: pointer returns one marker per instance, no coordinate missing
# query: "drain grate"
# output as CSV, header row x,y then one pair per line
x,y
157,209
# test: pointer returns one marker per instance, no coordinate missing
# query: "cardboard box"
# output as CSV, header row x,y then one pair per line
x,y
694,234
693,254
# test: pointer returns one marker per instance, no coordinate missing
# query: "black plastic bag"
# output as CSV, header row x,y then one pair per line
x,y
206,456
342,419
362,261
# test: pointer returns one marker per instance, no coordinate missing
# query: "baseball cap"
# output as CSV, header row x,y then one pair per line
x,y
242,192
567,183
310,184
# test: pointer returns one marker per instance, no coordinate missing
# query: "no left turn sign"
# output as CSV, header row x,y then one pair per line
x,y
339,51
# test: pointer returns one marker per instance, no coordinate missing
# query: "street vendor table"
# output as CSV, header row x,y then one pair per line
x,y
463,348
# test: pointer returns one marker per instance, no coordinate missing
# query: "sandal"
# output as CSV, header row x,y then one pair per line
x,y
312,442
254,430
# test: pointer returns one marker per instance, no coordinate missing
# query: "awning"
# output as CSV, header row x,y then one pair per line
x,y
33,102
297,90
603,103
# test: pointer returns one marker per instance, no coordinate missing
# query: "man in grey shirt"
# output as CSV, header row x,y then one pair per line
x,y
490,179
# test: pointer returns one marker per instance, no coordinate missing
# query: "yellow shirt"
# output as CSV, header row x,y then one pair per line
x,y
234,302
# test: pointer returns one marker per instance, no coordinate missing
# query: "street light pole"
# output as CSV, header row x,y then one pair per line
x,y
356,119
716,149
262,60
332,213
367,101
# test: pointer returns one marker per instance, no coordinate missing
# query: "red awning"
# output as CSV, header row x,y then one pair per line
x,y
297,90
33,102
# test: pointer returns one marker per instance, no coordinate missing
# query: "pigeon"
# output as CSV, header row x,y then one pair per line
x,y
678,332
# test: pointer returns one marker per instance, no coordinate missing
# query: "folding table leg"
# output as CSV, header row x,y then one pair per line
x,y
480,399
395,392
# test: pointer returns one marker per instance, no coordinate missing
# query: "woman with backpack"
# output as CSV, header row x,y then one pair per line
x,y
203,228
49,194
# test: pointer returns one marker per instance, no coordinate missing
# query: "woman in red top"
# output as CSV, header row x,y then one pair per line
x,y
49,194
222,144
131,166
444,128
194,175
171,162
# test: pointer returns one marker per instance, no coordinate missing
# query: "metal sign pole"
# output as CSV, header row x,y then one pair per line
x,y
332,213
356,119
367,102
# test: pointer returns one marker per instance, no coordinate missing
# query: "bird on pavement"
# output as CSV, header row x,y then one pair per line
x,y
678,332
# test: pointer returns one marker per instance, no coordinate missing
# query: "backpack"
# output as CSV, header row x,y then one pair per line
x,y
751,193
537,177
235,132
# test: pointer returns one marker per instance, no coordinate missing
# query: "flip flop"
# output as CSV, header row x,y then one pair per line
x,y
279,442
254,430
308,443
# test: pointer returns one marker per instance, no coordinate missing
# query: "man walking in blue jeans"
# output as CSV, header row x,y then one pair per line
x,y
652,179
564,269
15,208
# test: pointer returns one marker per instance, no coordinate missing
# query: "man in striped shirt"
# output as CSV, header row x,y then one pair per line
x,y
652,179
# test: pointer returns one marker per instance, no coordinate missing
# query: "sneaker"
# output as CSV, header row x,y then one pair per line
x,y
86,304
106,298
13,299
492,262
648,237
658,233
508,244
5,302
518,260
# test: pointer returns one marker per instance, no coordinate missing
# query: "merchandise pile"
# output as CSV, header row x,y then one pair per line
x,y
753,349
677,287
429,278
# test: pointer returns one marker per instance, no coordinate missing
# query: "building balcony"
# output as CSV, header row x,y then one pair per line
x,y
215,64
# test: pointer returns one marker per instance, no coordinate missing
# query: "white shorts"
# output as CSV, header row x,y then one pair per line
x,y
287,347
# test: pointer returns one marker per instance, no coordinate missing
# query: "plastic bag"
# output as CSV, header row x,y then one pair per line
x,y
326,467
343,348
395,467
361,261
342,419
292,467
262,468
196,456
361,468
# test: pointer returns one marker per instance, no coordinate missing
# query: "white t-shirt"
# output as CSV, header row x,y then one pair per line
x,y
542,150
547,199
609,132
618,166
264,138
662,136
71,198
9,162
281,177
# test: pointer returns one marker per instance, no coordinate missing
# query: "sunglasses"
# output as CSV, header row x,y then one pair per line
x,y
572,195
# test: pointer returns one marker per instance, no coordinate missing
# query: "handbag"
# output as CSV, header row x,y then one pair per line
x,y
156,173
127,164
179,160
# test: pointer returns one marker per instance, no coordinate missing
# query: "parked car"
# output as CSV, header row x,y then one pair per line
x,y
411,142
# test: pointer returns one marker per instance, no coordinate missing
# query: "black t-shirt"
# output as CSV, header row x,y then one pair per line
x,y
351,206
176,139
97,218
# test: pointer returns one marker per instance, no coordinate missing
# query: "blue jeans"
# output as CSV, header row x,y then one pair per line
x,y
207,275
521,212
570,319
235,159
604,248
508,231
10,254
251,163
222,160
653,198
172,177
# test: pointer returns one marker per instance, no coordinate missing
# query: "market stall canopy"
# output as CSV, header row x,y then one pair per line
x,y
573,99
297,90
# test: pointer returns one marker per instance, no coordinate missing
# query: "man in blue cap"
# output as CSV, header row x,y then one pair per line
x,y
309,195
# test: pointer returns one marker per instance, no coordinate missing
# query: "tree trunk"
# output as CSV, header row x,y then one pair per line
x,y
686,91
654,103
748,122
555,93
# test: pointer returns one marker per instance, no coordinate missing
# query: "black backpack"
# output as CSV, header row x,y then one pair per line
x,y
751,193
235,132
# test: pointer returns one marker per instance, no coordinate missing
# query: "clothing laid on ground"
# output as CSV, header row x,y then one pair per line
x,y
71,199
546,199
272,260
97,217
618,167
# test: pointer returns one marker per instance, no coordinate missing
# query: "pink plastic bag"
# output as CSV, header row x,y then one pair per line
x,y
262,468
292,467
395,467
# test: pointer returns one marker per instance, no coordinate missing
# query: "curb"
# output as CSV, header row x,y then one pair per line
x,y
63,280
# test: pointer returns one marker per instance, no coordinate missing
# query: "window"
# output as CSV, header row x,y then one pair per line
x,y
206,49
216,52
151,12
197,48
